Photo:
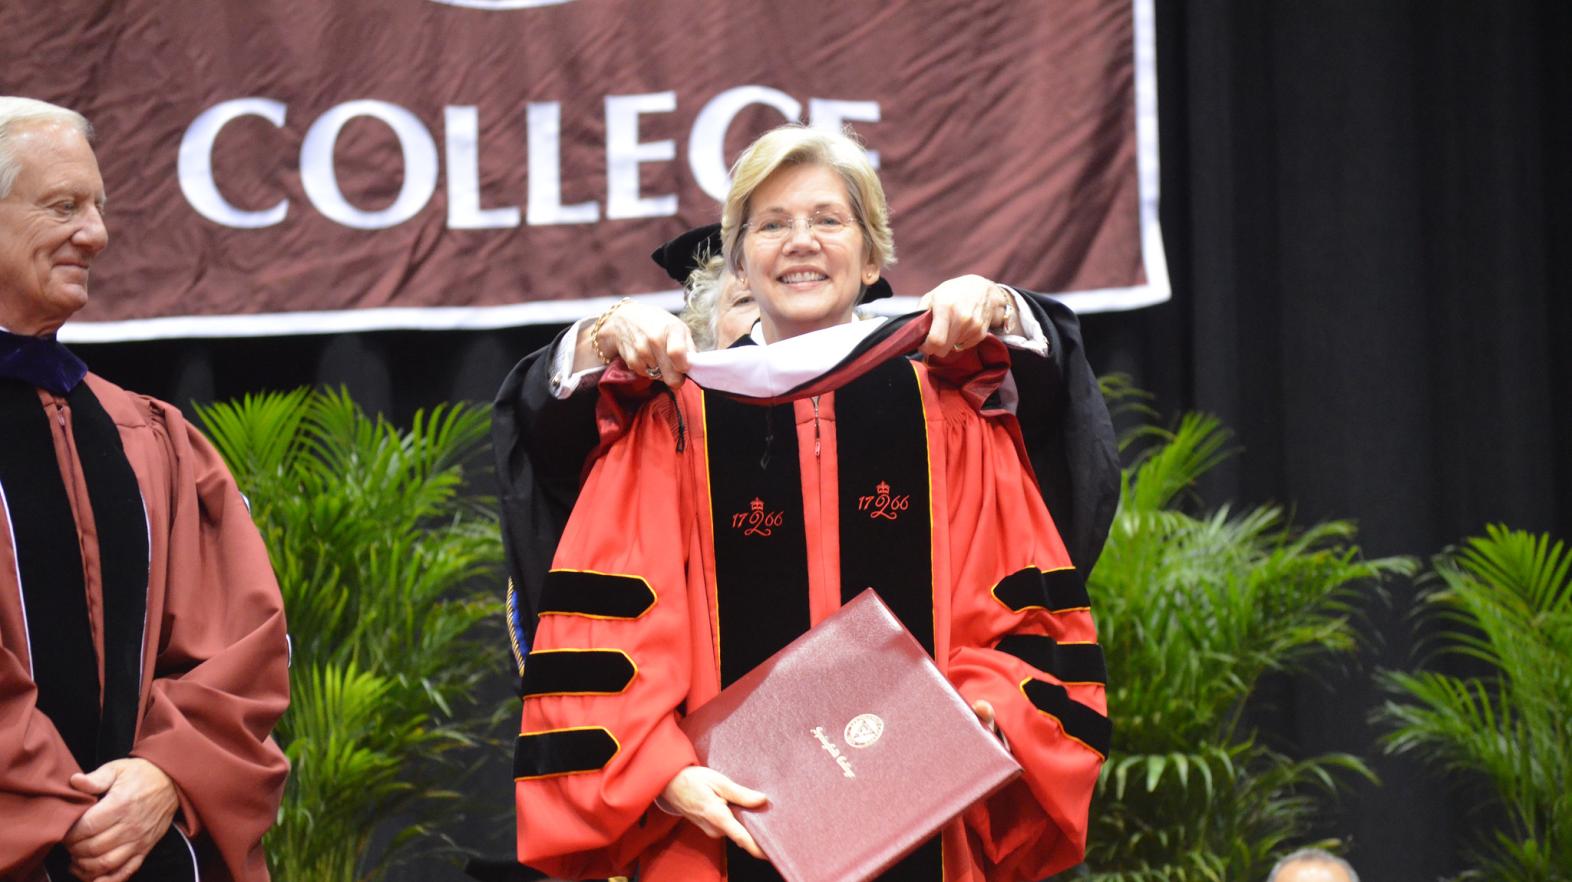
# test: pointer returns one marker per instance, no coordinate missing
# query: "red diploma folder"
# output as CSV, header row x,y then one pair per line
x,y
862,746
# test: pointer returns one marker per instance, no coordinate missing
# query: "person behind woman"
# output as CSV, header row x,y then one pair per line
x,y
718,310
658,597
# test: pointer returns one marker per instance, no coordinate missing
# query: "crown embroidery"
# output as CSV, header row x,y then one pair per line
x,y
883,503
757,520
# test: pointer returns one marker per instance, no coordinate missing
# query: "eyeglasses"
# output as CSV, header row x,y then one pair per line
x,y
822,224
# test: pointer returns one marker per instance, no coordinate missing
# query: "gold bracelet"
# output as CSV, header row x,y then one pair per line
x,y
1009,309
600,323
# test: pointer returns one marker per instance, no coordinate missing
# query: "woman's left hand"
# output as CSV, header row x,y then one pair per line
x,y
965,310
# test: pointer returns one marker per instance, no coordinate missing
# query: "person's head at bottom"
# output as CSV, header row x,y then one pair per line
x,y
1312,865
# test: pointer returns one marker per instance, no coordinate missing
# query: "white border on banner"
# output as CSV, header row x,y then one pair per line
x,y
345,321
541,312
501,4
1148,175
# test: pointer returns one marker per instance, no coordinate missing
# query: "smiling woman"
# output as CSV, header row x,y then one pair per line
x,y
728,510
806,228
805,276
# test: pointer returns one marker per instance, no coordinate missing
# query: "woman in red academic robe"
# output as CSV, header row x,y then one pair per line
x,y
720,521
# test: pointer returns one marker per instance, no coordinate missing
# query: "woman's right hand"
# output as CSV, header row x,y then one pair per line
x,y
704,796
650,340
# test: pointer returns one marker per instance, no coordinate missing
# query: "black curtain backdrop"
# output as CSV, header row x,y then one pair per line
x,y
1362,202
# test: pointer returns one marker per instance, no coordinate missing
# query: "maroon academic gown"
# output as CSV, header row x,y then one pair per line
x,y
711,531
214,675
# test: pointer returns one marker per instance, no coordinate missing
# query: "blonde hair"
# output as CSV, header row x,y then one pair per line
x,y
796,144
16,112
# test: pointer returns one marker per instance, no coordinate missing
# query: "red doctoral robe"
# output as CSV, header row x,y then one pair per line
x,y
214,675
666,587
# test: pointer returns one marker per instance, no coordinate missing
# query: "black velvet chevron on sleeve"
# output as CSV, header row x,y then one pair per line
x,y
1054,590
1078,721
562,752
596,595
577,672
1069,662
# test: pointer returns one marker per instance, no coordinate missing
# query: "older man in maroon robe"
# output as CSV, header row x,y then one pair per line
x,y
143,658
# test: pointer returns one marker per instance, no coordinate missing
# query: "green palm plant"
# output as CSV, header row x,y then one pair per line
x,y
1504,601
1193,610
386,564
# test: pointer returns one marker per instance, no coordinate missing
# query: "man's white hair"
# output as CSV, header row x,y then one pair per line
x,y
1314,856
18,112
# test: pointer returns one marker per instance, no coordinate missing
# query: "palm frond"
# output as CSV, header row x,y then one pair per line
x,y
1194,608
387,565
1504,600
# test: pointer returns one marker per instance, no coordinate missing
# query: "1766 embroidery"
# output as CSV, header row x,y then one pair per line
x,y
883,504
756,521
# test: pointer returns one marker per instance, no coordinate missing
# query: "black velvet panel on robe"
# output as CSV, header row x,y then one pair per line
x,y
761,547
49,562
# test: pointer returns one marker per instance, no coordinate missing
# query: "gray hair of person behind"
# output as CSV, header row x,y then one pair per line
x,y
16,112
701,313
1317,856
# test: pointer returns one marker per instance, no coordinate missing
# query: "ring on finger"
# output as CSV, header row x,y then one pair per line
x,y
652,372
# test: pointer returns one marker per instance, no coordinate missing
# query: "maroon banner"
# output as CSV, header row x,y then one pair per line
x,y
296,166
